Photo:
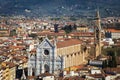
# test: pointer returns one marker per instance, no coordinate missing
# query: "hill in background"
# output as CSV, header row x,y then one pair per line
x,y
37,8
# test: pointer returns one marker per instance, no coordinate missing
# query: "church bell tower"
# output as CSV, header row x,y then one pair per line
x,y
97,31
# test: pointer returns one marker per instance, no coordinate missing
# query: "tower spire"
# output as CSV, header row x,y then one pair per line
x,y
98,14
98,33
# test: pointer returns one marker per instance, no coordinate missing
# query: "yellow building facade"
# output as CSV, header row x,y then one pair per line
x,y
82,29
8,71
72,53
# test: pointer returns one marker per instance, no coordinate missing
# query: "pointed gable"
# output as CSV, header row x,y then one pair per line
x,y
46,43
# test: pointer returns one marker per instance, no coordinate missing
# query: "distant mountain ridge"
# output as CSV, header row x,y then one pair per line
x,y
36,8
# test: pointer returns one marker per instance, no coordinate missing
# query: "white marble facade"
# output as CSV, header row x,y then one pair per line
x,y
45,59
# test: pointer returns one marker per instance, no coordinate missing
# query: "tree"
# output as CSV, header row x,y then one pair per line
x,y
113,49
113,53
112,59
33,35
74,27
68,28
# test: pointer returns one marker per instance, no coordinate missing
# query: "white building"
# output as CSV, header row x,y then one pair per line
x,y
44,59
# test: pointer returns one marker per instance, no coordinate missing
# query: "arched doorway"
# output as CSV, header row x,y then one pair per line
x,y
46,68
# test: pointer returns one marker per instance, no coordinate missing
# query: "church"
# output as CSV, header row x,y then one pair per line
x,y
52,56
44,59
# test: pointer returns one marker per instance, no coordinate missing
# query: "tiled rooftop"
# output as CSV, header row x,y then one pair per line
x,y
68,42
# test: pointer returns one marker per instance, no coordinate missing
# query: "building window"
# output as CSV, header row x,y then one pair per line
x,y
46,67
46,52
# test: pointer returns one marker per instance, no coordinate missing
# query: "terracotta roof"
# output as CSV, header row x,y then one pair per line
x,y
97,75
61,33
31,77
10,64
18,58
46,74
18,47
117,70
68,42
73,78
82,34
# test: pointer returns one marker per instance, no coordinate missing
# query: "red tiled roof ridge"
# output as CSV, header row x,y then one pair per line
x,y
68,42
